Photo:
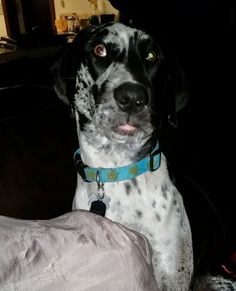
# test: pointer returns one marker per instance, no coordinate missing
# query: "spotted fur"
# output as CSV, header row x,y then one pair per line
x,y
109,76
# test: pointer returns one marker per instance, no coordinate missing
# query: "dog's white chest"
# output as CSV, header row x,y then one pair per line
x,y
151,205
143,203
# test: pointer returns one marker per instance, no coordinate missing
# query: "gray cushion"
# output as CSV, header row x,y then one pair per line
x,y
76,251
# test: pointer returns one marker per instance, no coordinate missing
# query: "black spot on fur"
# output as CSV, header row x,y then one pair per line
x,y
164,189
139,191
128,188
134,182
83,120
82,83
181,270
106,148
139,213
174,202
158,217
154,203
100,92
175,192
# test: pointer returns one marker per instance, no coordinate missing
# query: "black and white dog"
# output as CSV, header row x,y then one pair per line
x,y
108,76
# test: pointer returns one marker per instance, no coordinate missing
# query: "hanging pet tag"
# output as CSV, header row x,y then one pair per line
x,y
98,207
99,202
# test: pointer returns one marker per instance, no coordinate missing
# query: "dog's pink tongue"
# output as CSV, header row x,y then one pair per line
x,y
127,127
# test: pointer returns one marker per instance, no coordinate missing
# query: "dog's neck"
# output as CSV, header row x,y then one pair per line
x,y
105,154
98,151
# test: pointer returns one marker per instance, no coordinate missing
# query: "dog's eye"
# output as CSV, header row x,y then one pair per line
x,y
100,50
151,56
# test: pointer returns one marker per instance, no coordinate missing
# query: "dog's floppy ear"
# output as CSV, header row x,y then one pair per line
x,y
65,68
171,85
63,76
179,95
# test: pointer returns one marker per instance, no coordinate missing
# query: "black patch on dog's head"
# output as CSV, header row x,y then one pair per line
x,y
64,70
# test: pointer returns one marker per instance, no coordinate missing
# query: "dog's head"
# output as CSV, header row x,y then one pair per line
x,y
118,80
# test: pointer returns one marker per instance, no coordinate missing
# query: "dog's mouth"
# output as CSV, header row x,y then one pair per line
x,y
126,129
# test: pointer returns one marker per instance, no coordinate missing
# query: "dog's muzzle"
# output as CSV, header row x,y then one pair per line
x,y
131,97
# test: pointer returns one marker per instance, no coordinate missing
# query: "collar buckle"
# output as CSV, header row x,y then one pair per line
x,y
80,166
154,154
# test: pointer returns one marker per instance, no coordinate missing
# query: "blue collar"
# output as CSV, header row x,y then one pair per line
x,y
103,175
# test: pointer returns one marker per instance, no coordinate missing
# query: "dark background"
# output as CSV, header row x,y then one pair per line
x,y
37,142
38,137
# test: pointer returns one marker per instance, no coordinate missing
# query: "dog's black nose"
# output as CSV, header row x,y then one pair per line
x,y
131,97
